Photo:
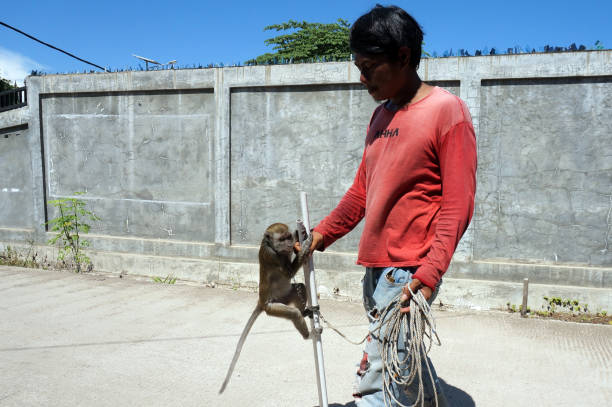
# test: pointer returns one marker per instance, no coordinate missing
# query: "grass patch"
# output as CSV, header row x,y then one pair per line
x,y
168,280
12,257
565,310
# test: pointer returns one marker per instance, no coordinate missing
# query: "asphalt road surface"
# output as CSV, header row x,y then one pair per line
x,y
98,340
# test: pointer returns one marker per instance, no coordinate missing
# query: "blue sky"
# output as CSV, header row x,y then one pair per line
x,y
203,32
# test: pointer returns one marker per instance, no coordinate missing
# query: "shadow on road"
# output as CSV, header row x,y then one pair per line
x,y
454,395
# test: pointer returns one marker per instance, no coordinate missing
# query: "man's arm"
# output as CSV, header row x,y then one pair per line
x,y
457,157
348,213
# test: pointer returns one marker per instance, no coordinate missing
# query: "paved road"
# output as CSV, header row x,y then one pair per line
x,y
97,340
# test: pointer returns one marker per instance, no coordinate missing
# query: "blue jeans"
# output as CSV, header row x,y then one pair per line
x,y
380,287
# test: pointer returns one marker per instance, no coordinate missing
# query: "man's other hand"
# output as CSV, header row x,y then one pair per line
x,y
414,285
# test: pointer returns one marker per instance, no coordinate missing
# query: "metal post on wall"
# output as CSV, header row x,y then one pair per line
x,y
313,303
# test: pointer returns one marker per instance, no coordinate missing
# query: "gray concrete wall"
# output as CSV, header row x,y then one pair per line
x,y
144,159
289,139
186,168
545,179
15,171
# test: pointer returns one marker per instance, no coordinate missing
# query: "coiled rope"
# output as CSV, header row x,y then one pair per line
x,y
417,325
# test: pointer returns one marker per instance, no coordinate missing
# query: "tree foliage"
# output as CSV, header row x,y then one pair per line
x,y
5,84
307,42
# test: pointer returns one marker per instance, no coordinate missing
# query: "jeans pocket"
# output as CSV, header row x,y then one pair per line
x,y
390,284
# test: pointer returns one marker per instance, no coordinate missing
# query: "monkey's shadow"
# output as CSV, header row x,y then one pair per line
x,y
454,396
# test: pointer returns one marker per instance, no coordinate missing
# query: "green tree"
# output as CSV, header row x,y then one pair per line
x,y
307,42
5,84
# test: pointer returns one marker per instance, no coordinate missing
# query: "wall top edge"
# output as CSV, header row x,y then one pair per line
x,y
549,55
465,69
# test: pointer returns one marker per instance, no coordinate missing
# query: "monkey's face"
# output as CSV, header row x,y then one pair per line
x,y
282,242
278,238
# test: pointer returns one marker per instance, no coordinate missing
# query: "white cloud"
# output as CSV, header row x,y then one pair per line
x,y
15,67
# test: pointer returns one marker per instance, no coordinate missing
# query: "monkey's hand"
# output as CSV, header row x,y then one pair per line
x,y
305,249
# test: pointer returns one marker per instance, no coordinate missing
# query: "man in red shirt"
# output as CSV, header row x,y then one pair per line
x,y
415,184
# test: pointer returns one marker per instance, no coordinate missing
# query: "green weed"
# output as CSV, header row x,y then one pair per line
x,y
168,280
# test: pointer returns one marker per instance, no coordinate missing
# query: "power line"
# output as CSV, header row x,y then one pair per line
x,y
51,46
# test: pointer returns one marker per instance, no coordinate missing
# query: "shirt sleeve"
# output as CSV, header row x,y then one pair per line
x,y
348,213
457,155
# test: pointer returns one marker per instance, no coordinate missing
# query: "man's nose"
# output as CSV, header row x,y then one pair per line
x,y
362,78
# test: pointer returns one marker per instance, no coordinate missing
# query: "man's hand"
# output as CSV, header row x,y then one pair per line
x,y
414,285
317,243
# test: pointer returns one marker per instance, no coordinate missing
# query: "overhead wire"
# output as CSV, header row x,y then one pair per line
x,y
51,46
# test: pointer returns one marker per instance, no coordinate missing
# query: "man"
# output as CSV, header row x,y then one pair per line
x,y
415,184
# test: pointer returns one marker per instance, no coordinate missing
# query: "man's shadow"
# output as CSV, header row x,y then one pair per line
x,y
454,396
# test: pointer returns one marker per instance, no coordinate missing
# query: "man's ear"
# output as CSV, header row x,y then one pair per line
x,y
404,54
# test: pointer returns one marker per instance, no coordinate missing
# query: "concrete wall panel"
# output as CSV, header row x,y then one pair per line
x,y
144,158
288,139
16,178
544,180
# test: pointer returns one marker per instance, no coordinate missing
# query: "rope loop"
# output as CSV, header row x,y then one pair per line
x,y
416,325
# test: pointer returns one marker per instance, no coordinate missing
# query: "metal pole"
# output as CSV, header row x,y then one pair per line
x,y
313,303
525,291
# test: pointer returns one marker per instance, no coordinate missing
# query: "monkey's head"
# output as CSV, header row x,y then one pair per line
x,y
279,238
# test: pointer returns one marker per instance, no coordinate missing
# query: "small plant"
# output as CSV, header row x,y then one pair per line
x,y
557,304
69,225
12,257
513,308
566,310
571,310
168,280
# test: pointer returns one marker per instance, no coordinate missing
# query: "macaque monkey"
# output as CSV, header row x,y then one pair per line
x,y
278,297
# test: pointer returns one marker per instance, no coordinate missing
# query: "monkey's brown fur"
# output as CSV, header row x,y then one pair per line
x,y
278,297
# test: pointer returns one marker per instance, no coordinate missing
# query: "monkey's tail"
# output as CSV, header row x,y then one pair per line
x,y
245,332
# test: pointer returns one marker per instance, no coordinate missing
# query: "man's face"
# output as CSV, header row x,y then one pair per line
x,y
383,78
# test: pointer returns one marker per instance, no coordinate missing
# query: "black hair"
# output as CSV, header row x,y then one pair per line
x,y
383,30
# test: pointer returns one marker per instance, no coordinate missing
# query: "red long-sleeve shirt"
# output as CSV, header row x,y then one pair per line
x,y
415,186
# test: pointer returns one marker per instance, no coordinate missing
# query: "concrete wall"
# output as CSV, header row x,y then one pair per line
x,y
144,158
15,170
545,170
186,168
